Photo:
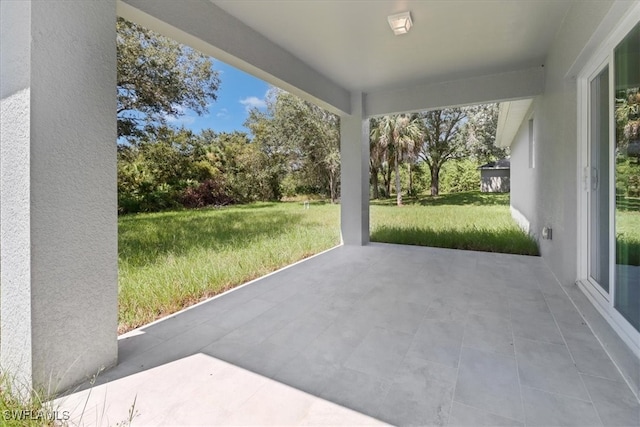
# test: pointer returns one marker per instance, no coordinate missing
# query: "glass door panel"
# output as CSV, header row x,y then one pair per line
x,y
627,173
599,157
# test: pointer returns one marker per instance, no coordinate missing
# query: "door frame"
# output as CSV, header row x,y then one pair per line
x,y
602,301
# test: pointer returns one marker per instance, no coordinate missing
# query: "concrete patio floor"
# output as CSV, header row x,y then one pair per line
x,y
370,335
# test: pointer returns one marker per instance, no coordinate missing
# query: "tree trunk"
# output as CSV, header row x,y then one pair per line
x,y
388,182
374,183
398,188
435,180
332,187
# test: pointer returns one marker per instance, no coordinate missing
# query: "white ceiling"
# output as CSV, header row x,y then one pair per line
x,y
350,42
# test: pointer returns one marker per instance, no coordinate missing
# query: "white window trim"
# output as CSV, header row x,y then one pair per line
x,y
531,136
604,303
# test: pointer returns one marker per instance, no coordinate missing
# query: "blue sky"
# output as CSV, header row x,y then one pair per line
x,y
238,92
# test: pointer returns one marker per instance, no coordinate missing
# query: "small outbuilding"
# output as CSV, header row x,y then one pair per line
x,y
494,176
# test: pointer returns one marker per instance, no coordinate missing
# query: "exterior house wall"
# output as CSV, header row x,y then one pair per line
x,y
548,194
523,182
555,127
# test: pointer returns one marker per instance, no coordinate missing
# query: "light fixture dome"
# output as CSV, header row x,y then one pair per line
x,y
400,23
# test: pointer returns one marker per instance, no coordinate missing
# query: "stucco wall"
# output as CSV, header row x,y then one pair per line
x,y
15,98
556,141
523,181
58,170
354,152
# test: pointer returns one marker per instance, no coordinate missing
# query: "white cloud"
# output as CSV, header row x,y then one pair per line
x,y
253,102
179,108
223,113
181,120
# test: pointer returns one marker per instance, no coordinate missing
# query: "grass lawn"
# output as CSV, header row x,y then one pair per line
x,y
628,237
473,220
171,260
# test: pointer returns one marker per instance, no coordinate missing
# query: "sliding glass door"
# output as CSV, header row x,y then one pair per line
x,y
627,176
612,181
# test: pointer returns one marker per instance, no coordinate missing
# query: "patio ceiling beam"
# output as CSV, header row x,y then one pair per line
x,y
475,90
209,29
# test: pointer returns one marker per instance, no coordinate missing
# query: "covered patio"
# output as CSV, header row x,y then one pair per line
x,y
360,334
367,335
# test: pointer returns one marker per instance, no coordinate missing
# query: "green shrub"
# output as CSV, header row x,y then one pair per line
x,y
459,175
207,193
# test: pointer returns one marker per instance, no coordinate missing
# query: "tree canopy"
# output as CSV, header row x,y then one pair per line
x,y
432,138
293,146
158,78
399,137
441,142
479,135
302,140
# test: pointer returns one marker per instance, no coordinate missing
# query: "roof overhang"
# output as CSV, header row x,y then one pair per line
x,y
327,52
510,117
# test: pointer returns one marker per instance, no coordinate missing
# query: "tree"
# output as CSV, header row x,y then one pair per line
x,y
301,137
379,163
158,78
479,133
460,175
627,115
377,157
172,167
245,167
266,139
441,141
400,135
153,173
313,137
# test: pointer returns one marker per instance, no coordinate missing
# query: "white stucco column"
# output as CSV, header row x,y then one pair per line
x,y
354,184
58,216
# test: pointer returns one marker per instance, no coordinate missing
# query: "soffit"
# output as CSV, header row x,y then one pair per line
x,y
351,43
510,117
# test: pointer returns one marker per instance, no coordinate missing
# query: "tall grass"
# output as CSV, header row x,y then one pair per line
x,y
628,237
472,221
170,260
26,406
18,410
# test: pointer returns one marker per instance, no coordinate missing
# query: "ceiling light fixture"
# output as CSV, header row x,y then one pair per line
x,y
400,23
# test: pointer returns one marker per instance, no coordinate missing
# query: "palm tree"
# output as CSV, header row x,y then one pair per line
x,y
400,137
377,157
